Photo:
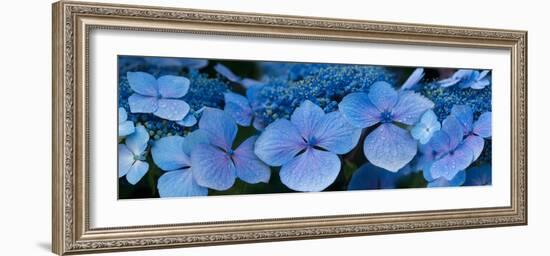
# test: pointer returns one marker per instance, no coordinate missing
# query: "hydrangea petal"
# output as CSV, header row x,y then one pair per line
x,y
482,126
410,107
227,73
173,110
448,82
306,117
173,86
474,143
359,111
125,159
221,127
369,176
142,104
188,121
464,115
479,176
168,153
389,147
143,83
449,165
122,115
440,142
456,181
238,107
179,183
335,134
413,79
454,129
137,171
137,141
279,143
212,167
194,139
126,128
478,85
419,132
248,166
383,96
313,170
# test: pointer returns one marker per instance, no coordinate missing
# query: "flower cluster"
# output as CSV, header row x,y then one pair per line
x,y
197,128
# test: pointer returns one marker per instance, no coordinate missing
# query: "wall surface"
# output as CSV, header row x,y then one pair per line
x,y
25,127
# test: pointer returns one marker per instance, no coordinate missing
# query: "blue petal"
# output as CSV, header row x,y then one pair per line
x,y
188,121
449,165
259,124
142,104
122,115
136,172
179,183
482,126
456,181
413,79
448,82
173,110
279,143
335,134
313,170
173,86
369,176
168,153
306,117
227,73
440,142
452,127
221,127
126,128
143,83
474,143
359,111
383,96
125,160
478,85
389,147
465,115
420,133
193,140
247,82
248,166
483,74
238,107
410,107
137,141
478,176
212,167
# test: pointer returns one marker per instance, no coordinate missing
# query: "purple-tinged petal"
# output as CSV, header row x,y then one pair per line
x,y
179,183
389,147
188,121
221,127
227,73
258,124
173,110
122,115
212,167
413,79
279,143
193,140
126,128
359,111
168,153
137,141
479,176
456,181
440,142
369,176
142,104
313,170
143,83
474,143
125,160
464,115
410,107
448,82
306,117
335,134
478,85
449,165
238,107
137,171
383,96
452,127
248,166
482,126
173,86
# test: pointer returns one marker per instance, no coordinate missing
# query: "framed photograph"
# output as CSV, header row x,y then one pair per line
x,y
178,127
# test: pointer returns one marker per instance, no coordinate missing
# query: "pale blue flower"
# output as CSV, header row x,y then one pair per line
x,y
216,165
131,156
125,127
172,154
413,79
307,146
467,78
158,96
240,108
229,75
428,125
388,146
475,132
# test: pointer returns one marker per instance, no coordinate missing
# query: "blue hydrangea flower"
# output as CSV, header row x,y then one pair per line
x,y
389,146
158,96
307,146
476,131
239,107
467,78
478,176
125,127
428,125
369,176
229,75
216,165
456,181
131,156
413,79
173,155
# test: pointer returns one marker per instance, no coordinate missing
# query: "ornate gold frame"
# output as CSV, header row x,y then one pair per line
x,y
72,22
